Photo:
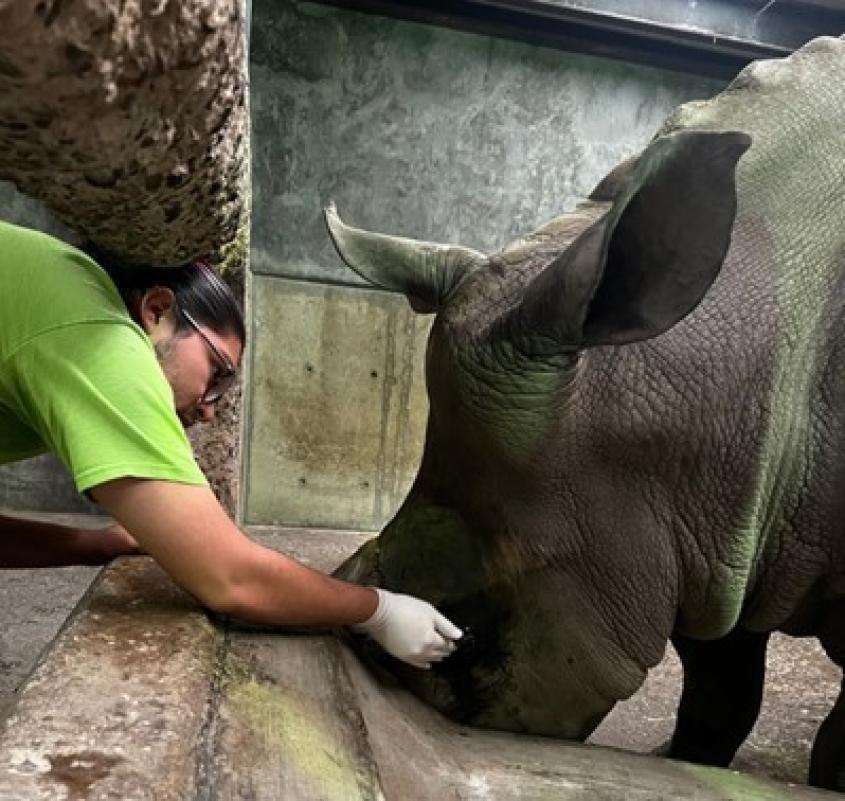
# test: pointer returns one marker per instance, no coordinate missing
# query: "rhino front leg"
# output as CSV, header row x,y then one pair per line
x,y
827,760
723,688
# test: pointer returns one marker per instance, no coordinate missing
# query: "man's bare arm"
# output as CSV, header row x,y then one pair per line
x,y
187,531
32,543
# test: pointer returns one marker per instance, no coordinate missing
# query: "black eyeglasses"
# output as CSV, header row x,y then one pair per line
x,y
224,372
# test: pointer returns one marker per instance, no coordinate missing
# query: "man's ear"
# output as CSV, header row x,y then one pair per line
x,y
157,311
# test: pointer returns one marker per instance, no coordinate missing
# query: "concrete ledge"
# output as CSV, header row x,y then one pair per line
x,y
116,708
142,697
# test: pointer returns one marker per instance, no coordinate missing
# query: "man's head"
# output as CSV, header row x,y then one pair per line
x,y
195,324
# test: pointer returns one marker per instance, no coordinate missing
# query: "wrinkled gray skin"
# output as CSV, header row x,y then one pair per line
x,y
637,427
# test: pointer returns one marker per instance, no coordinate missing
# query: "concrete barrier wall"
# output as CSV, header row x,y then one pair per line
x,y
143,698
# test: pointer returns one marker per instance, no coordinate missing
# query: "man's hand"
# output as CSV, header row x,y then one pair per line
x,y
35,543
410,629
117,541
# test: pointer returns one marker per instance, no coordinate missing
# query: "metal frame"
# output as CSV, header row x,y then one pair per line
x,y
708,37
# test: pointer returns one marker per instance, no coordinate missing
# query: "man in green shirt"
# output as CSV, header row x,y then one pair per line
x,y
105,369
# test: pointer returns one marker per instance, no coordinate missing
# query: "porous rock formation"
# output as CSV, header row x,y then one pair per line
x,y
128,119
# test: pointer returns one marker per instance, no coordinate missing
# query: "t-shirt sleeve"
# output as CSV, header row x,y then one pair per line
x,y
96,395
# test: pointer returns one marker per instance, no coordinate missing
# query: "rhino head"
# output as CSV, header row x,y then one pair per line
x,y
507,528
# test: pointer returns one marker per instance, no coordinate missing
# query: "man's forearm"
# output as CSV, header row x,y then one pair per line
x,y
276,589
31,543
188,533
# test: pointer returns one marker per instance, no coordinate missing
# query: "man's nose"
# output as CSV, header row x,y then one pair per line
x,y
206,412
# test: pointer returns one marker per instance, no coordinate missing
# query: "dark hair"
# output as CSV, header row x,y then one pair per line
x,y
197,287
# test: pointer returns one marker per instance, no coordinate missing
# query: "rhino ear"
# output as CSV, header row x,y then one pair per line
x,y
650,260
427,273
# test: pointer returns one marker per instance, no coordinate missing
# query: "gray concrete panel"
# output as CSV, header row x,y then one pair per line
x,y
42,484
337,405
17,208
428,132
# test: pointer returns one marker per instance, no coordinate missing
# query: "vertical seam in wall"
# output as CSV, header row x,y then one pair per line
x,y
389,379
247,399
403,406
205,772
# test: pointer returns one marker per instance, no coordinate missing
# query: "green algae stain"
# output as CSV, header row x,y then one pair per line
x,y
731,785
304,743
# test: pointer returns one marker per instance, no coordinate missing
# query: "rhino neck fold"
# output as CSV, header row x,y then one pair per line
x,y
516,400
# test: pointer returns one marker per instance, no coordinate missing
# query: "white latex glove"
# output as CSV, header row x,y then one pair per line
x,y
410,629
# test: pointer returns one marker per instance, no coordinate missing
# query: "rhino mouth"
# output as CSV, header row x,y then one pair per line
x,y
466,683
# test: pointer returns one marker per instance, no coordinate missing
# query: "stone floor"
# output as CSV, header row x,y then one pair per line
x,y
801,682
33,606
801,686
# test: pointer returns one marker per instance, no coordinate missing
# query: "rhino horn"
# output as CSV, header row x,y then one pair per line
x,y
649,260
426,272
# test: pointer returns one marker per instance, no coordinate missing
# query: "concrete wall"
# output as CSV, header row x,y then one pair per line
x,y
414,130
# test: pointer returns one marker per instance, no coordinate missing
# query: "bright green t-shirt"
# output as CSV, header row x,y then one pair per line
x,y
78,377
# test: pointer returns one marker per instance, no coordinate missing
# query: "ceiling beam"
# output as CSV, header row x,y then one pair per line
x,y
709,37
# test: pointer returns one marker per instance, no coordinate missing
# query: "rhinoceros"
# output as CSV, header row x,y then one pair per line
x,y
637,427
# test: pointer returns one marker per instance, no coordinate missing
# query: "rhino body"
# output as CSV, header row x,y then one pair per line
x,y
637,427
